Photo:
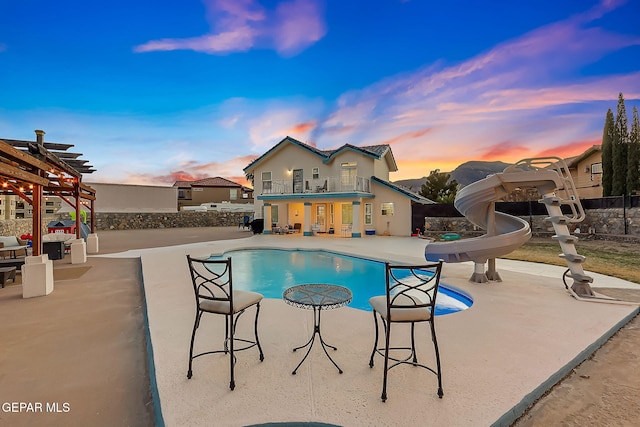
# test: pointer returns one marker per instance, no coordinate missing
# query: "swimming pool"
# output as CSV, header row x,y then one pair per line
x,y
271,271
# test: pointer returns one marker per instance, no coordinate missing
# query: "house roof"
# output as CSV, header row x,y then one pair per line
x,y
209,182
374,151
573,161
415,197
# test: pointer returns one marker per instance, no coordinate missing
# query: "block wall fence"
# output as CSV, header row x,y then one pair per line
x,y
599,221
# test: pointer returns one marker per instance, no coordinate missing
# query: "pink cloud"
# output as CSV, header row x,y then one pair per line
x,y
569,150
190,170
505,149
298,26
408,136
238,26
303,127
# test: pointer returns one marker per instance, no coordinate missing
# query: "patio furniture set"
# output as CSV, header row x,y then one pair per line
x,y
11,246
410,298
287,229
54,245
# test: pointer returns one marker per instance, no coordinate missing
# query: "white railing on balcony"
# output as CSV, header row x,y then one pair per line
x,y
329,184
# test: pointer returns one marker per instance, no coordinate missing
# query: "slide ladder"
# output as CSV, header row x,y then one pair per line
x,y
563,196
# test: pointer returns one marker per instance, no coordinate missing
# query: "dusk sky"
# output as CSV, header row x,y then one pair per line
x,y
155,91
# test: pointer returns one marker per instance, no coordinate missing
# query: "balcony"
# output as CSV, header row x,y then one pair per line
x,y
330,184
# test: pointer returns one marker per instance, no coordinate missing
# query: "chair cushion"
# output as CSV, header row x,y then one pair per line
x,y
58,237
417,314
9,241
241,300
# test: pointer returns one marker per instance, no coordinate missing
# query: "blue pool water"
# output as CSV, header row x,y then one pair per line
x,y
271,271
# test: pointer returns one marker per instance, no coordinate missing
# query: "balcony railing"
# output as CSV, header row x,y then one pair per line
x,y
329,184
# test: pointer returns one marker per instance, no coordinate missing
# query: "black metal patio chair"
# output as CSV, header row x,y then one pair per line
x,y
410,298
214,294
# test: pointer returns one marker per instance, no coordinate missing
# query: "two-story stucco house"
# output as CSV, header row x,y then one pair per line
x,y
216,189
345,191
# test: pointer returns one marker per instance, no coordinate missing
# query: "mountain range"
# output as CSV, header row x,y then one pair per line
x,y
465,174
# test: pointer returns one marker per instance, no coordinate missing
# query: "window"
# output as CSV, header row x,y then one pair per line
x,y
315,172
331,214
184,194
596,168
49,211
368,214
387,209
274,214
266,182
197,189
233,194
348,175
347,213
298,185
48,203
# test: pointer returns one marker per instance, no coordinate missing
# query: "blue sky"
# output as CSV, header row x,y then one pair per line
x,y
154,91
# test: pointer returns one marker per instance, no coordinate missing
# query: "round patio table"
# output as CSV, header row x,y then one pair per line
x,y
317,297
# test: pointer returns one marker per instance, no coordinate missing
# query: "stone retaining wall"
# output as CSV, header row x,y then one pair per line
x,y
135,221
182,219
18,227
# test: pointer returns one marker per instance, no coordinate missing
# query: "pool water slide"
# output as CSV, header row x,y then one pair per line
x,y
505,233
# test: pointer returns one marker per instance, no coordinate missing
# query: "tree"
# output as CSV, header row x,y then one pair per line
x,y
633,158
607,160
619,152
439,188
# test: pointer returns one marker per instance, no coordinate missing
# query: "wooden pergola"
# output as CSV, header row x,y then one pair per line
x,y
31,169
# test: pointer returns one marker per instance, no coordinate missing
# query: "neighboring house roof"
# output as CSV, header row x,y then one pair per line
x,y
415,197
573,161
374,151
210,182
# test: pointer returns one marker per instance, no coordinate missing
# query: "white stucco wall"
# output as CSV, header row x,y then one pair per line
x,y
115,198
400,221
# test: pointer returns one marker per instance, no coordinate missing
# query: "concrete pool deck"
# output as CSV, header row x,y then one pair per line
x,y
520,337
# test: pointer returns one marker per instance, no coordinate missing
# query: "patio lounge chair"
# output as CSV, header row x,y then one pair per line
x,y
410,298
9,245
214,294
